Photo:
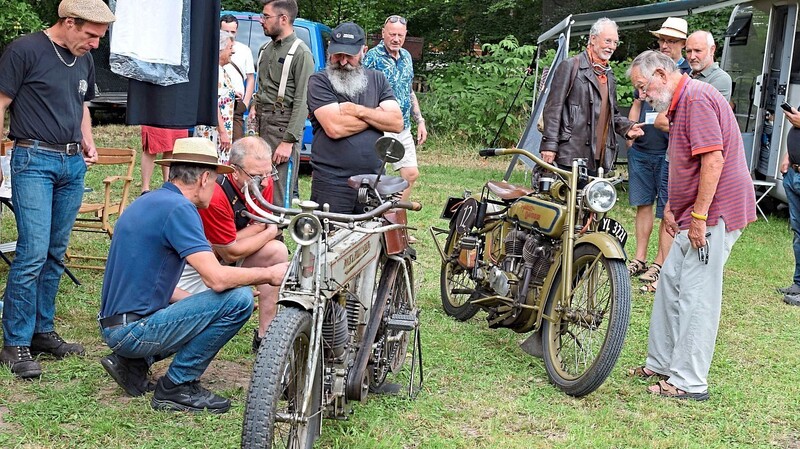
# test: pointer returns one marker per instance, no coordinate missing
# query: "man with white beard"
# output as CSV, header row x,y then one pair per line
x,y
711,200
351,107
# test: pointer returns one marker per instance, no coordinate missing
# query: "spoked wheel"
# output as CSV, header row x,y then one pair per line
x,y
273,416
582,345
455,284
389,353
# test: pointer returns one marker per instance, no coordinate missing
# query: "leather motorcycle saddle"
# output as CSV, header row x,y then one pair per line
x,y
387,185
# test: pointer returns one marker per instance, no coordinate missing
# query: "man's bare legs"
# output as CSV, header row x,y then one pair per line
x,y
644,227
273,253
410,174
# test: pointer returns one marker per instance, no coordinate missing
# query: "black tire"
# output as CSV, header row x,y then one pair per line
x,y
390,346
278,387
582,346
456,286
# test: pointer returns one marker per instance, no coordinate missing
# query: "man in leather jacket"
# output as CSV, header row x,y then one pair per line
x,y
580,114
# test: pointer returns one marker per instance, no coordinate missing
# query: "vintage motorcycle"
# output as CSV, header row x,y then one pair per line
x,y
544,259
347,312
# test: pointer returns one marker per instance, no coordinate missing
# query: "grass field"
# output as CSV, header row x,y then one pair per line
x,y
481,390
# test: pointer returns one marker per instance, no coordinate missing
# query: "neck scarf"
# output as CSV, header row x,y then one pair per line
x,y
599,67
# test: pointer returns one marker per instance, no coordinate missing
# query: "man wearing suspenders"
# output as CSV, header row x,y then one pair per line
x,y
284,65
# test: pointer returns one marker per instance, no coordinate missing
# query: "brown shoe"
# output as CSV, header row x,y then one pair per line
x,y
19,359
52,343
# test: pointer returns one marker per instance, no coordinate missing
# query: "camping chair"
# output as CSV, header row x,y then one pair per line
x,y
94,216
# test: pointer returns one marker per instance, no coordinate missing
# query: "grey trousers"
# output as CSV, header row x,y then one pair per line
x,y
272,126
686,310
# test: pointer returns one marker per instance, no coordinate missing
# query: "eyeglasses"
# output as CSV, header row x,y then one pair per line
x,y
611,42
646,87
395,19
668,41
266,16
259,177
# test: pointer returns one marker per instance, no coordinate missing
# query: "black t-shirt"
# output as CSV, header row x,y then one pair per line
x,y
335,160
654,140
793,145
47,96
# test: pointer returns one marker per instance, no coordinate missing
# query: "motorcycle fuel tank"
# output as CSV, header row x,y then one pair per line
x,y
534,212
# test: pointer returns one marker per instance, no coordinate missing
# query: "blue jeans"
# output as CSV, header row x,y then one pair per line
x,y
791,184
194,329
47,190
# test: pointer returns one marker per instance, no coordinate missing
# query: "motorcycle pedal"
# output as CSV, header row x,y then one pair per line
x,y
402,322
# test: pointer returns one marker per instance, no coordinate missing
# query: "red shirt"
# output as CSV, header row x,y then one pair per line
x,y
218,220
701,121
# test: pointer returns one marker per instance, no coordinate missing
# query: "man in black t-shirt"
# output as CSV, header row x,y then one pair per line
x,y
350,107
45,80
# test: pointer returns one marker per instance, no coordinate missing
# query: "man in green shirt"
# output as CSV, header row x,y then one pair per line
x,y
281,105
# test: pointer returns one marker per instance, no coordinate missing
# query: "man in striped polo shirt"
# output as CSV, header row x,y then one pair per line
x,y
711,200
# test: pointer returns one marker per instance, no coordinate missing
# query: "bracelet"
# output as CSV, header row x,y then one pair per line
x,y
699,217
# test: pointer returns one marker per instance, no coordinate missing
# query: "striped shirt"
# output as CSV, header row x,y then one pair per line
x,y
701,121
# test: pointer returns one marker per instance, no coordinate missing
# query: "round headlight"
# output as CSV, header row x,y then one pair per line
x,y
305,229
600,195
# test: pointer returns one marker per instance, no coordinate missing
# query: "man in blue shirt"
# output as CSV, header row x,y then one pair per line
x,y
394,61
139,317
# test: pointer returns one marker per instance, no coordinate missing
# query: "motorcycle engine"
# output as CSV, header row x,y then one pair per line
x,y
537,254
335,329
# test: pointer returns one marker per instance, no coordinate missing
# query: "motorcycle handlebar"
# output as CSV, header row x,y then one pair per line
x,y
488,152
344,218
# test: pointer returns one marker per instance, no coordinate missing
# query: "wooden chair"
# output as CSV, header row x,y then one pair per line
x,y
94,216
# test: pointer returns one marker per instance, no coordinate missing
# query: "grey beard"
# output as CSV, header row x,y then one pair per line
x,y
347,82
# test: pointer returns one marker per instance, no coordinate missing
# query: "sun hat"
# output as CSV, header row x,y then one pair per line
x,y
195,150
347,38
673,27
90,10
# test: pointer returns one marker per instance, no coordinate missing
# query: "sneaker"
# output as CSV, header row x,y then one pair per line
x,y
793,289
652,273
188,397
130,374
792,300
51,343
19,359
256,342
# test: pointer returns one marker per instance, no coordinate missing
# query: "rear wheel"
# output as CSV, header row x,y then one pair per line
x,y
273,416
582,344
455,283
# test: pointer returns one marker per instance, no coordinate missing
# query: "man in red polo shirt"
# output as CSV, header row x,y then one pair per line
x,y
711,200
233,237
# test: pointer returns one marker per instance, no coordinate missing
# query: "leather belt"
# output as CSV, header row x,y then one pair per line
x,y
71,149
119,320
795,167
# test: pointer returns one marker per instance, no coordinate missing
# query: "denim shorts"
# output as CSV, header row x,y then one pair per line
x,y
647,179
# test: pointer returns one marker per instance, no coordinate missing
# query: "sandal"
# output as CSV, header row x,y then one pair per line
x,y
643,372
649,288
651,275
667,390
636,267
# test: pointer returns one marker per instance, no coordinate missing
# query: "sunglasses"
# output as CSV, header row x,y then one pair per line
x,y
395,19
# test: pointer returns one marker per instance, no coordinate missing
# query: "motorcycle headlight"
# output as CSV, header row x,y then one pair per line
x,y
600,195
305,229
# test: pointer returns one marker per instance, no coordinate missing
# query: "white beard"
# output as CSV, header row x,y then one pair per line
x,y
349,81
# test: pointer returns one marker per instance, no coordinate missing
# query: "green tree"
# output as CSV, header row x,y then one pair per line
x,y
17,18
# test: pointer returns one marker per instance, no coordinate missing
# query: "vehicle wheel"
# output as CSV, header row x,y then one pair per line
x,y
582,345
272,416
455,284
390,346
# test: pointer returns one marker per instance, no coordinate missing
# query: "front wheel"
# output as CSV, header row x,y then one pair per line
x,y
583,342
456,286
273,416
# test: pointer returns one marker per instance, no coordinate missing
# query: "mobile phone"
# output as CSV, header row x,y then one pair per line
x,y
786,107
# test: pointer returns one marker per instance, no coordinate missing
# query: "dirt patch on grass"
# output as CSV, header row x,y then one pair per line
x,y
220,374
6,427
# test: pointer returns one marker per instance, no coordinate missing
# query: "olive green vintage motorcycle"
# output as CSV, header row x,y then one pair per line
x,y
545,260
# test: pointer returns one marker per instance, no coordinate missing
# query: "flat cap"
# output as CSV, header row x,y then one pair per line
x,y
90,10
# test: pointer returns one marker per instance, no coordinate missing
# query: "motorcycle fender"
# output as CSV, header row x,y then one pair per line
x,y
606,243
304,302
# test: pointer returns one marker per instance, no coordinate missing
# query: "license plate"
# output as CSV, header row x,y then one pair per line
x,y
613,227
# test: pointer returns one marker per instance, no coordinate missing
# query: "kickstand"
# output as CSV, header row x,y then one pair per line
x,y
416,359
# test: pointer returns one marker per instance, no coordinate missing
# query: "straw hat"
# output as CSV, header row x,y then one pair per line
x,y
90,10
673,27
195,150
